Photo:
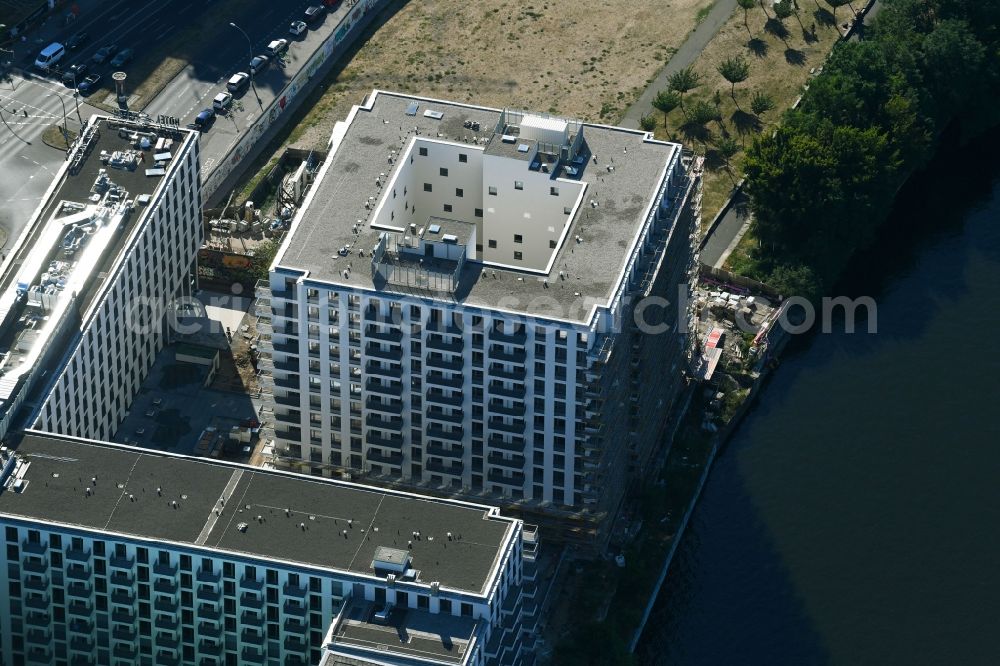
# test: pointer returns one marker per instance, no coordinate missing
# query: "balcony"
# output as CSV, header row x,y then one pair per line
x,y
394,423
500,372
209,630
294,609
251,656
127,652
80,609
439,343
296,627
514,446
35,567
441,380
250,600
251,584
38,620
498,353
375,456
391,441
394,354
515,462
384,388
440,415
300,591
456,451
123,616
40,602
498,407
392,335
287,365
209,576
208,594
436,432
165,606
392,372
209,647
252,637
251,617
516,427
515,391
165,569
121,578
124,634
440,398
78,555
34,548
290,347
293,644
81,644
167,622
289,434
441,363
393,407
79,591
454,469
38,636
515,480
518,337
37,584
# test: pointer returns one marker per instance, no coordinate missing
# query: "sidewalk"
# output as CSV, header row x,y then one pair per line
x,y
685,56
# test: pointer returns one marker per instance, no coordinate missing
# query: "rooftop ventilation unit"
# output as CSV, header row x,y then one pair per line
x,y
523,148
434,228
436,115
508,138
411,110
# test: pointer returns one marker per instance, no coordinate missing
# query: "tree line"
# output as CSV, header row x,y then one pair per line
x,y
821,186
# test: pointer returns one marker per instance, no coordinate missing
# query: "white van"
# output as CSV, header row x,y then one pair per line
x,y
50,55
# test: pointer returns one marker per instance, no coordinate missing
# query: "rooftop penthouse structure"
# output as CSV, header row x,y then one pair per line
x,y
454,307
124,553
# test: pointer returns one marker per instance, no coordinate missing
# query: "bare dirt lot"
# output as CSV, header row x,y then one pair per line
x,y
585,60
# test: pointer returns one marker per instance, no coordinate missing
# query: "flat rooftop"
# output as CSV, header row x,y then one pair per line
x,y
75,237
291,517
591,266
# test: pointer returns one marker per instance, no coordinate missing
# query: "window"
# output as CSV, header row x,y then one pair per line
x,y
423,152
493,190
554,191
518,238
459,192
552,245
567,210
447,208
462,157
493,243
427,187
518,256
479,212
518,184
443,171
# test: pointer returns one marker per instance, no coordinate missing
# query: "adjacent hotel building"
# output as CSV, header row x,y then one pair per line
x,y
122,556
85,289
456,307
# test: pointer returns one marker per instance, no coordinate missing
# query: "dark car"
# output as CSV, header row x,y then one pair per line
x,y
123,58
74,74
89,84
105,53
314,13
204,119
75,41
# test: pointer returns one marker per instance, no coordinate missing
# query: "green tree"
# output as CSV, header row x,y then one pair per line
x,y
648,123
833,5
783,9
702,113
735,70
666,101
727,148
761,103
746,6
262,258
684,81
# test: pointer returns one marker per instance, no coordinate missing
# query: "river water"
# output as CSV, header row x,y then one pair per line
x,y
854,518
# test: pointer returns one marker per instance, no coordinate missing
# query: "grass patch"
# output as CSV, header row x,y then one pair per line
x,y
703,13
780,66
258,176
53,136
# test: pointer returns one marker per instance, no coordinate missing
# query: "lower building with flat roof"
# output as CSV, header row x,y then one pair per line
x,y
120,555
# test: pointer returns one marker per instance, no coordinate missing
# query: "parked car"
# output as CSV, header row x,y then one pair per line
x,y
238,82
50,55
277,48
222,102
314,14
104,54
123,58
74,74
89,84
204,119
259,64
76,40
298,27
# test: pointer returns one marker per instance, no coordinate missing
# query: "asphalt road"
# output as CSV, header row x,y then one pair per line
x,y
28,165
195,87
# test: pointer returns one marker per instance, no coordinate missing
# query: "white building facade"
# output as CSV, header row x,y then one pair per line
x,y
476,332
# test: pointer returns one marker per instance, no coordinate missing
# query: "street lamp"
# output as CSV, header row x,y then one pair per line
x,y
249,62
64,130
